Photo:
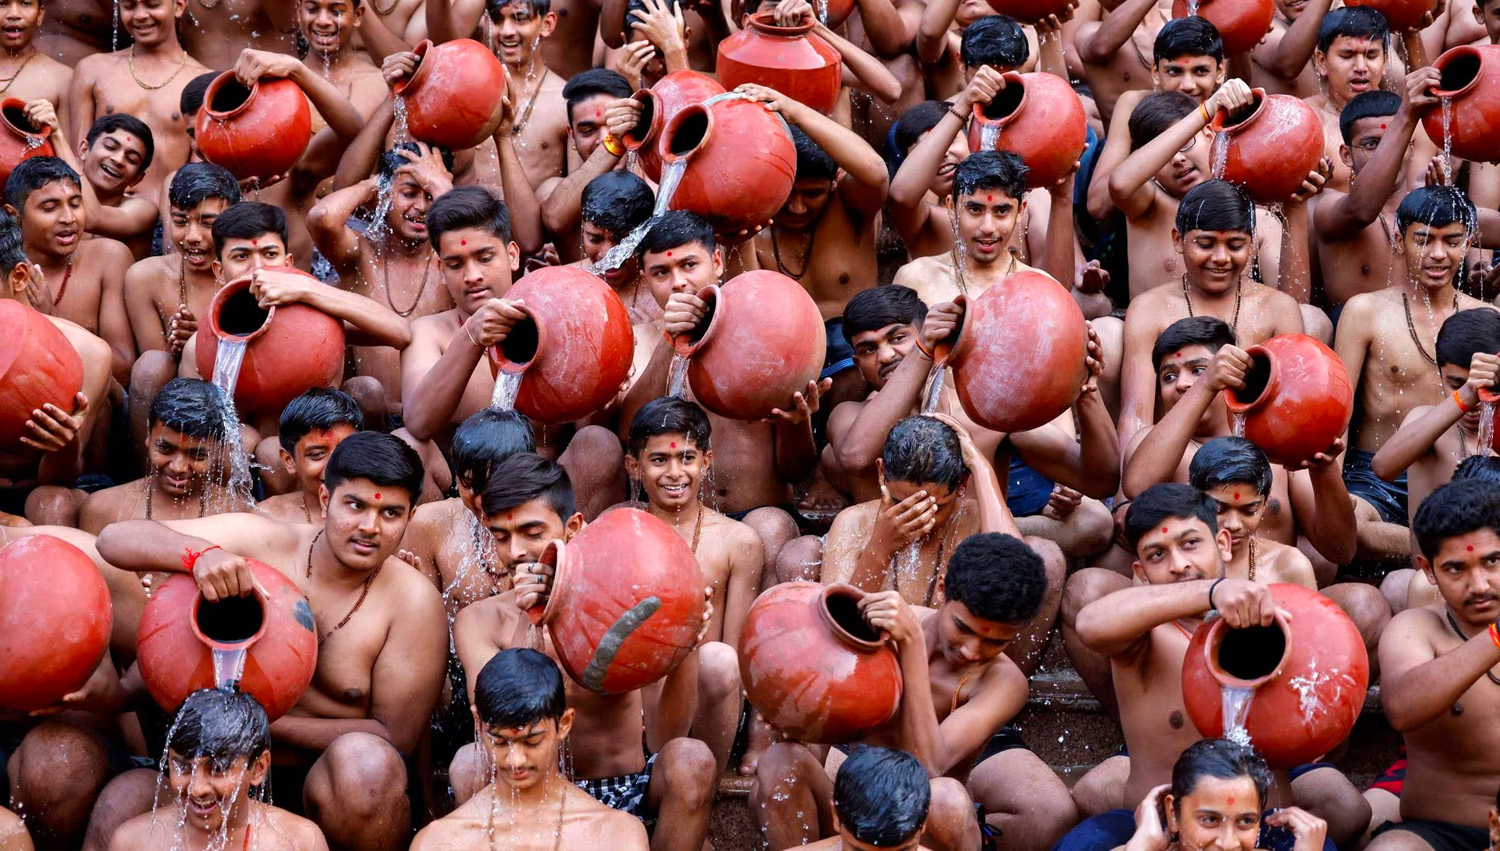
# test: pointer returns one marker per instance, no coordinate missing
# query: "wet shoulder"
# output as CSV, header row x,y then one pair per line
x,y
104,251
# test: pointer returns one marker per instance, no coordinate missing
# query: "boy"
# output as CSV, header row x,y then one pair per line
x,y
612,206
33,70
1113,51
310,428
599,109
113,159
1283,60
1236,475
882,800
1352,51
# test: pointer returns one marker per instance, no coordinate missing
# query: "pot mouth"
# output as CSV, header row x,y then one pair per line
x,y
765,22
227,97
554,556
944,351
687,345
1225,121
519,350
1249,657
232,623
688,131
1458,71
13,110
839,607
237,315
649,127
1006,103
418,76
1260,382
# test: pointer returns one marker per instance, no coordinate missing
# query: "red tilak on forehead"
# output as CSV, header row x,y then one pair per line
x,y
1471,549
669,254
377,496
1164,530
463,242
989,197
1236,497
674,446
254,243
509,517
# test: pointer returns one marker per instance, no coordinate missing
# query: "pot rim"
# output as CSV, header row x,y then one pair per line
x,y
1217,124
556,557
765,22
1489,395
953,349
634,141
42,134
683,344
1449,56
501,363
1273,381
667,154
843,589
1216,637
216,306
244,644
213,88
409,86
1011,78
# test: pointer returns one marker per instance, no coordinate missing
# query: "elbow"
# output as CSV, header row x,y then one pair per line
x,y
1382,466
421,426
1089,629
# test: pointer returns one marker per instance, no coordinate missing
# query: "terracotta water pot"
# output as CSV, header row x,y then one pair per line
x,y
1029,11
1471,83
792,60
763,340
573,351
740,162
1241,23
1272,145
1401,15
259,132
37,366
20,139
454,98
1297,398
55,620
813,667
1309,676
1039,117
289,348
185,641
659,105
626,601
1019,358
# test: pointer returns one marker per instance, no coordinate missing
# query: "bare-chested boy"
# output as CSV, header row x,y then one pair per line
x,y
328,28
612,206
1117,51
962,689
217,32
520,709
311,427
220,749
380,626
883,800
1351,56
144,80
33,73
1283,59
955,38
113,159
1437,680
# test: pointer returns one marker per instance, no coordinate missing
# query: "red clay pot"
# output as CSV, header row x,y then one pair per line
x,y
1471,81
258,132
626,601
1018,359
454,98
792,60
289,348
1297,398
1038,116
1029,11
37,366
762,342
1241,23
1401,15
21,139
181,633
659,105
740,162
55,619
813,667
1309,676
1273,145
575,349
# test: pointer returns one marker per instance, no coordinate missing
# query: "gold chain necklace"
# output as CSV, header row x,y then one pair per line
x,y
390,7
181,63
12,77
1252,558
421,290
362,594
1412,327
1239,290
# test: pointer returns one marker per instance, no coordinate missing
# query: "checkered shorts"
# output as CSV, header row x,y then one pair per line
x,y
625,792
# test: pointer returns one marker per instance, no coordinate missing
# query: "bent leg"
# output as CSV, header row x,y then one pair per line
x,y
1085,587
370,396
122,799
439,476
1085,533
273,476
951,825
1368,608
151,372
55,776
1327,793
792,797
1024,799
801,560
1026,651
775,528
52,505
596,466
467,774
719,701
1316,324
356,792
1102,788
681,793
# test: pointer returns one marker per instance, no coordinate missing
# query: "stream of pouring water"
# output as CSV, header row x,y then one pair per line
x,y
228,358
229,665
507,385
1236,707
671,177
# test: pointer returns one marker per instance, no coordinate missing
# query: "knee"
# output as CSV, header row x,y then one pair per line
x,y
464,773
150,371
1086,586
370,396
718,673
774,526
1095,528
599,446
781,762
1053,560
1396,588
50,505
57,763
688,769
1365,605
364,773
801,559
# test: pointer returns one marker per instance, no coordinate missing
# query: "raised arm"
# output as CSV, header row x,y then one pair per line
x,y
1090,464
869,72
562,208
210,549
865,182
363,154
1116,150
919,733
1285,57
328,223
1096,46
1423,426
133,217
367,322
434,383
1115,623
932,32
1324,510
451,19
379,41
1159,454
1131,184
994,514
908,191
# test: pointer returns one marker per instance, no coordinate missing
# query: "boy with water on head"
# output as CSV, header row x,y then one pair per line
x,y
310,428
613,206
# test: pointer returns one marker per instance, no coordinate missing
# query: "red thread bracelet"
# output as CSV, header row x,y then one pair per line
x,y
190,558
1495,634
923,349
1460,403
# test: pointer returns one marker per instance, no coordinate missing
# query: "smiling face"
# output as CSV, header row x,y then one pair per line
x,y
329,25
192,232
669,469
151,22
986,220
364,522
523,757
516,30
179,464
878,353
522,533
113,163
477,266
1433,254
1214,259
1181,549
1351,65
313,452
214,792
1188,167
1466,570
407,217
1218,815
596,243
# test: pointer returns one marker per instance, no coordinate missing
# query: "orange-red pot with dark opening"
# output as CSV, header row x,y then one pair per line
x,y
738,163
20,139
1241,23
1400,15
1040,118
1470,83
55,620
1272,145
659,105
453,99
38,366
259,132
1297,398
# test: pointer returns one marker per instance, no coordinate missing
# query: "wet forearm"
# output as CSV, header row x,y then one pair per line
x,y
146,546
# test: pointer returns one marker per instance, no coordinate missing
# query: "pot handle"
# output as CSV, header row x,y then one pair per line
x,y
942,353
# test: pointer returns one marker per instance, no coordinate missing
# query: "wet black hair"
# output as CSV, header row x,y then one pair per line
x,y
1465,334
916,121
617,202
1209,331
1230,461
675,229
1484,468
813,163
923,450
1190,36
1353,22
32,174
1169,501
248,220
486,438
877,307
110,122
995,40
1433,206
317,408
523,477
381,459
1002,170
538,8
1155,113
195,183
1220,759
221,725
390,160
1215,205
468,207
192,95
594,82
881,796
12,246
1376,103
640,6
191,407
997,577
517,688
1457,508
670,415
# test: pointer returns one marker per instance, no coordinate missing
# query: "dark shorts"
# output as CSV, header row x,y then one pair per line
x,y
1393,779
1305,768
1388,498
1441,835
13,500
1008,739
840,354
1113,829
625,792
1028,491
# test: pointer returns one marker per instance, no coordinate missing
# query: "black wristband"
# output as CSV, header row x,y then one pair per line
x,y
956,114
1211,590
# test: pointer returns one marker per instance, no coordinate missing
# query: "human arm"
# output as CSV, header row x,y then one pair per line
x,y
678,702
130,219
1117,622
994,514
664,27
1417,683
1116,149
864,182
562,208
746,561
114,323
1285,57
933,30
1423,426
337,112
1138,380
433,382
1309,831
796,452
153,546
1051,56
1060,251
452,19
1321,503
1131,185
378,39
366,322
1150,833
1294,273
409,671
81,101
140,307
1097,45
363,154
885,27
1160,452
869,72
919,733
328,223
908,189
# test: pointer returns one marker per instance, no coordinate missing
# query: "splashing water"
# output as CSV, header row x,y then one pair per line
x,y
379,228
821,6
677,378
1236,707
1192,8
227,360
114,38
1486,428
534,637
1448,139
229,665
671,176
934,393
1237,424
507,385
400,130
1220,154
989,137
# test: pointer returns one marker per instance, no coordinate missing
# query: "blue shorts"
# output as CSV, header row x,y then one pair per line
x,y
1028,491
1388,498
840,355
